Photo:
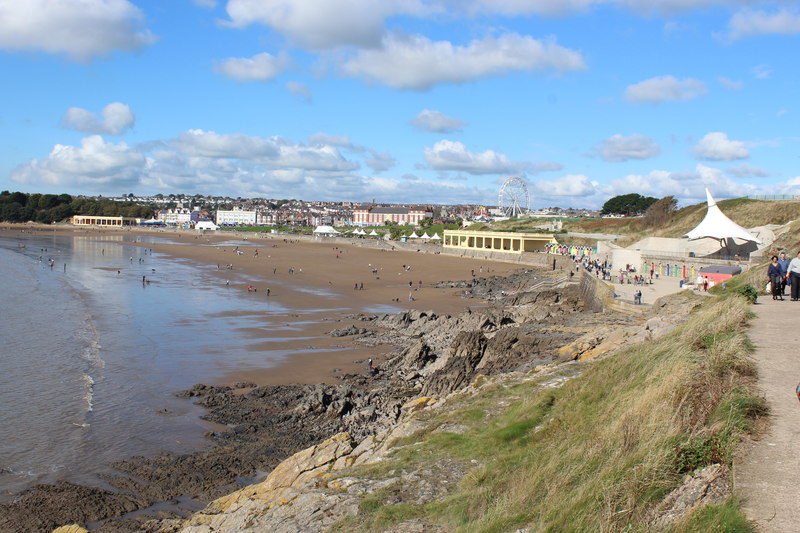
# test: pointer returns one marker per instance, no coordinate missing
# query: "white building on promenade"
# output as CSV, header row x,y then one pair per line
x,y
236,217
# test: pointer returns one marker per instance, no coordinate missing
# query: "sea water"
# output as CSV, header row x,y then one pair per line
x,y
91,355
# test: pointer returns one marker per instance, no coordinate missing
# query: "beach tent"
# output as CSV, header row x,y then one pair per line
x,y
206,225
436,237
425,236
325,230
717,226
373,233
413,235
360,232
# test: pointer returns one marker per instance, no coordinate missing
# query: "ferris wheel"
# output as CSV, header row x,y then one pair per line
x,y
514,199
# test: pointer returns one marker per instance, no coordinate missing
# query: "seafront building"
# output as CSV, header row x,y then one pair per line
x,y
496,241
236,217
96,220
370,215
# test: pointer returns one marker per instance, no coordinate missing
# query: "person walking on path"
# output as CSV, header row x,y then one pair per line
x,y
775,275
794,277
784,264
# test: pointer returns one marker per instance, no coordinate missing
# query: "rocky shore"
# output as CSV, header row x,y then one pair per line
x,y
513,325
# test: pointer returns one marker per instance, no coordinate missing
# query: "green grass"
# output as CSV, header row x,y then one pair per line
x,y
596,454
725,517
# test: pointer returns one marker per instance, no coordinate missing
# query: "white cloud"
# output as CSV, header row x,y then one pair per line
x,y
747,171
376,161
417,63
233,145
323,158
117,118
437,122
617,148
761,72
260,67
81,29
380,162
299,89
664,89
716,146
451,155
730,84
321,24
749,23
576,185
93,165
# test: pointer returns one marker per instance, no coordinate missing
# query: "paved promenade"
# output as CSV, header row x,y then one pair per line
x,y
768,477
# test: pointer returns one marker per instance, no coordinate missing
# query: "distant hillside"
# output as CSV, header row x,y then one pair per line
x,y
746,213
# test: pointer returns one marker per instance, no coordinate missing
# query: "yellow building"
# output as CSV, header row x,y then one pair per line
x,y
496,241
95,220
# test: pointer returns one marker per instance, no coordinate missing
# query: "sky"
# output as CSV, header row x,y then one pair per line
x,y
401,101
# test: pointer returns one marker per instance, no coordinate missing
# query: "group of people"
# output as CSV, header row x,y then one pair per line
x,y
782,272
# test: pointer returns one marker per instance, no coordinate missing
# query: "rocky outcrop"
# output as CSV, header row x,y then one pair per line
x,y
706,486
278,504
54,506
458,366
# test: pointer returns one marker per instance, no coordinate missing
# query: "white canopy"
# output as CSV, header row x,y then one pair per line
x,y
325,230
373,233
425,236
436,237
413,235
717,226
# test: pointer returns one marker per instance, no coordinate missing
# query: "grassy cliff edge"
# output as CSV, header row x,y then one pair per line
x,y
598,453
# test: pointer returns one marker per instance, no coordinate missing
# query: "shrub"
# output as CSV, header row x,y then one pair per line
x,y
749,292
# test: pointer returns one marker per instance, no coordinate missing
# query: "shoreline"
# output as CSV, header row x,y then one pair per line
x,y
317,297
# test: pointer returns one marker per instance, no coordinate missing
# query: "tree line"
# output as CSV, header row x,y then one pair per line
x,y
49,208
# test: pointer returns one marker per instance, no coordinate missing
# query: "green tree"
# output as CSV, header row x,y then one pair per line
x,y
628,204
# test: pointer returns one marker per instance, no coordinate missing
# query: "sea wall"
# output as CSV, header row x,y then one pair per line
x,y
533,259
598,296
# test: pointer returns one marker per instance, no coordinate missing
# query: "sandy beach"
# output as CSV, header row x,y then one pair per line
x,y
315,281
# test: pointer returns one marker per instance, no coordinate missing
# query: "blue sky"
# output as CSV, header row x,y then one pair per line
x,y
425,101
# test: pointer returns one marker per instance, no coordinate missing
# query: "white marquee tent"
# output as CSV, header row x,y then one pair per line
x,y
716,225
325,230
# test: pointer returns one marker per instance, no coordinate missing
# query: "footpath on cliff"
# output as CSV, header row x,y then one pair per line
x,y
767,475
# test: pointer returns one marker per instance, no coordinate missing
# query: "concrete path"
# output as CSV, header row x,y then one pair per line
x,y
650,293
768,476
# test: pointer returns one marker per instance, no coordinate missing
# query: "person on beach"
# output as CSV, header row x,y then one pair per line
x,y
775,275
784,263
794,277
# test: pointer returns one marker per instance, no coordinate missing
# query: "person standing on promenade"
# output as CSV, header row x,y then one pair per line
x,y
774,273
784,263
794,277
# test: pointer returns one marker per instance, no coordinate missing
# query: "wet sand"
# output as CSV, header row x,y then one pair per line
x,y
316,297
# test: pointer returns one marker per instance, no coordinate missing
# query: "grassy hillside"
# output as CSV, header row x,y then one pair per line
x,y
598,453
746,213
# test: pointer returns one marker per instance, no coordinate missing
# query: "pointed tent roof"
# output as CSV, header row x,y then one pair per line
x,y
325,230
413,235
373,233
717,226
425,236
436,237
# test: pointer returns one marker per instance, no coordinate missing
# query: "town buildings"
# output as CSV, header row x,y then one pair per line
x,y
371,215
